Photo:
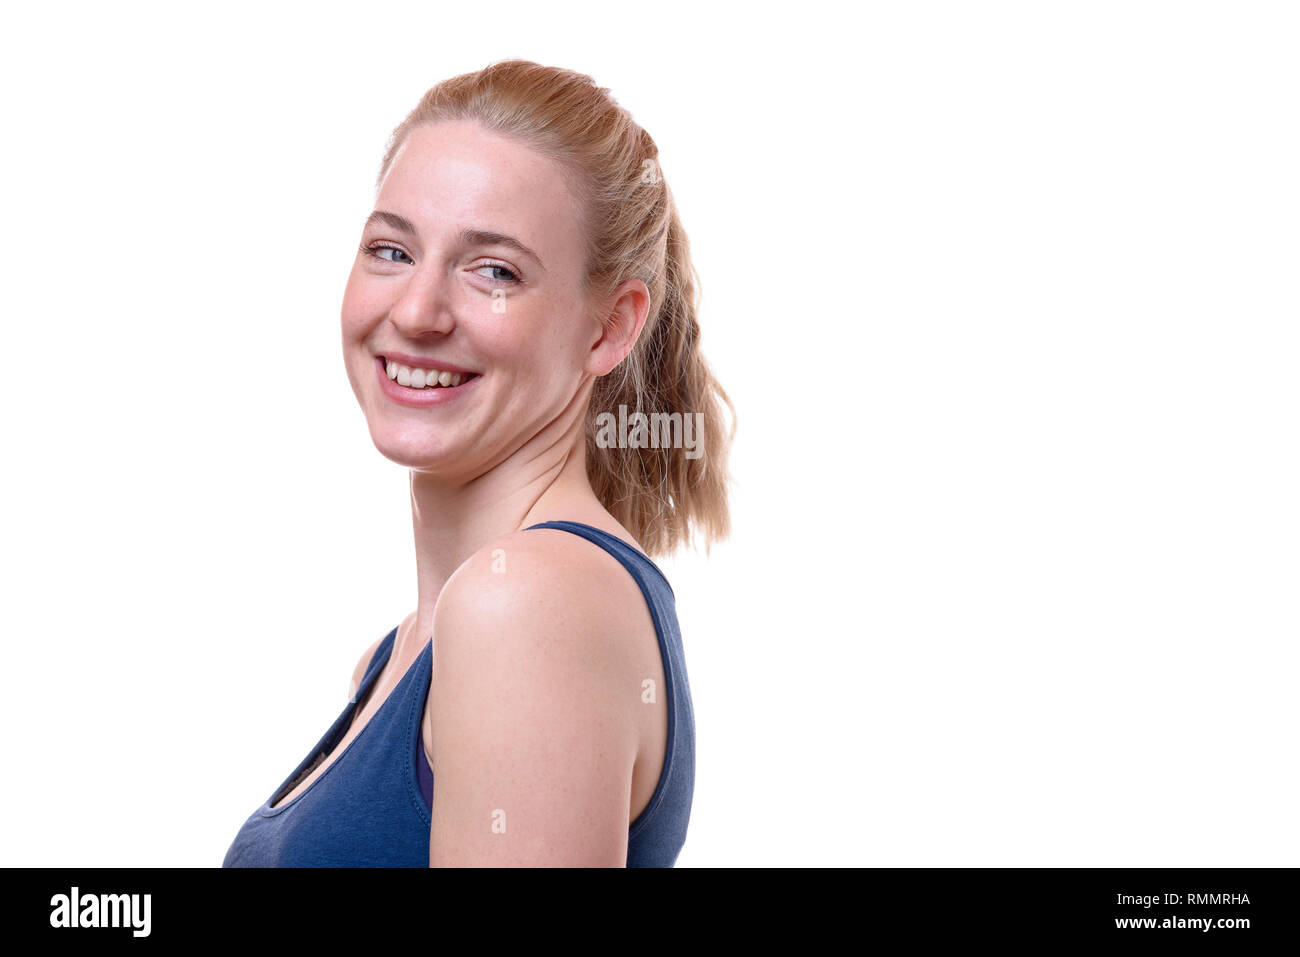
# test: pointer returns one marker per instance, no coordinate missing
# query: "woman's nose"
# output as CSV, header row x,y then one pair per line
x,y
424,306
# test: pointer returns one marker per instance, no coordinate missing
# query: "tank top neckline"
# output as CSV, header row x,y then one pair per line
x,y
335,756
385,651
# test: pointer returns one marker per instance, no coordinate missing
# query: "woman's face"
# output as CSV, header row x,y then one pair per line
x,y
471,261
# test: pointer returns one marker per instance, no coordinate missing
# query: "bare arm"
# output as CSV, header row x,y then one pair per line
x,y
534,735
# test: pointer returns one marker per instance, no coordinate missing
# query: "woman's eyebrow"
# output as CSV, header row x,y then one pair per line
x,y
484,237
392,220
467,236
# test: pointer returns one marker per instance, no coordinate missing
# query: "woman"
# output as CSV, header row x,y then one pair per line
x,y
523,273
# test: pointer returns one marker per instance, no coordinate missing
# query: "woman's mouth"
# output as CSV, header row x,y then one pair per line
x,y
415,378
421,387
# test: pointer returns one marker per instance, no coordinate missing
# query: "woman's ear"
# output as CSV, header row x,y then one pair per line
x,y
622,317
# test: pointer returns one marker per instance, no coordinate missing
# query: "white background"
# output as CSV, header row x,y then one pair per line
x,y
1005,295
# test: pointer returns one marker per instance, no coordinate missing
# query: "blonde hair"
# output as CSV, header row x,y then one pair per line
x,y
662,497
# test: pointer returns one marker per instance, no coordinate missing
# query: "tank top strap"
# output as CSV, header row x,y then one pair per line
x,y
376,664
633,559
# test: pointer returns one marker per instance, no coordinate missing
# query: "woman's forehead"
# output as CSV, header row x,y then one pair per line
x,y
458,174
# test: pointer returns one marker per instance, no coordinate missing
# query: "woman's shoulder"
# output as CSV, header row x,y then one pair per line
x,y
360,671
540,577
534,566
363,665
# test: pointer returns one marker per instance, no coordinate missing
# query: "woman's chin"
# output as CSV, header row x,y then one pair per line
x,y
417,452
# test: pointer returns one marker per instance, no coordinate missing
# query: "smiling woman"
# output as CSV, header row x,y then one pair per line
x,y
523,273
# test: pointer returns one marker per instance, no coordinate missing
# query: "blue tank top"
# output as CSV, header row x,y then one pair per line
x,y
371,806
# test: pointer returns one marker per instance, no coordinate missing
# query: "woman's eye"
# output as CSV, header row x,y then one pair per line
x,y
508,277
378,253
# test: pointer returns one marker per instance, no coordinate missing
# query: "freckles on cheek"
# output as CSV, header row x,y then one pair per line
x,y
359,308
350,303
498,345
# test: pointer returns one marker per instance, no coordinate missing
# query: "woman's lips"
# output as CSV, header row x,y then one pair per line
x,y
420,398
423,362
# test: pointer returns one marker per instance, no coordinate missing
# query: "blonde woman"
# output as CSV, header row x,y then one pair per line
x,y
523,274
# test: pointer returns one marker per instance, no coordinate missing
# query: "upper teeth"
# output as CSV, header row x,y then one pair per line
x,y
419,378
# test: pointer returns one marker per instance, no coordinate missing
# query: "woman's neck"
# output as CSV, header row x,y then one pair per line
x,y
453,520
